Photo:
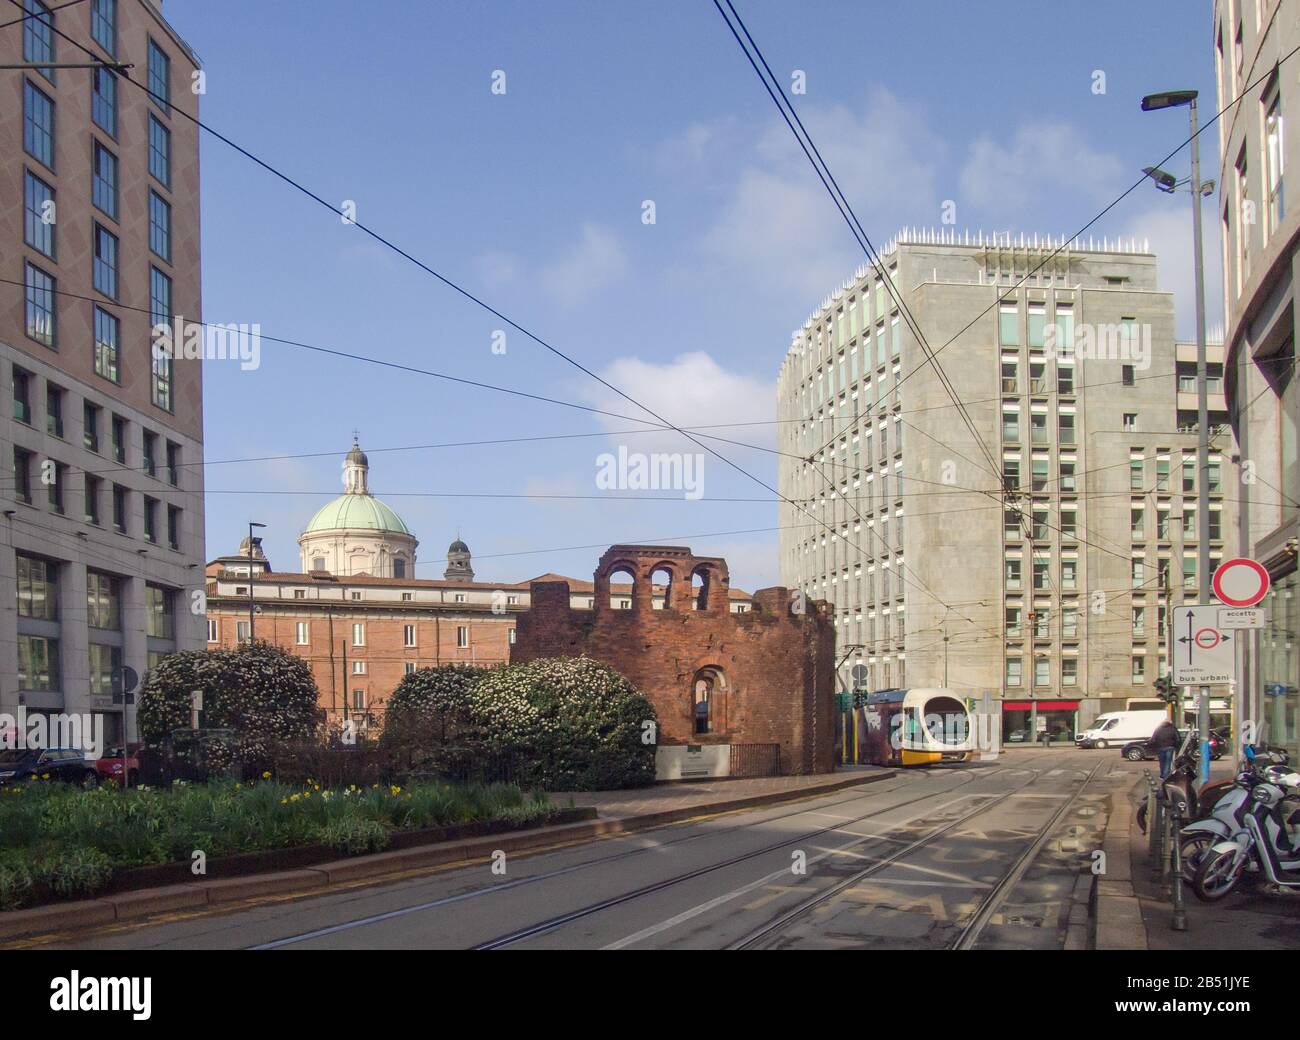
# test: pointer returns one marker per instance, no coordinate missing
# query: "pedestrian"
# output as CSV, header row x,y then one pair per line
x,y
1164,741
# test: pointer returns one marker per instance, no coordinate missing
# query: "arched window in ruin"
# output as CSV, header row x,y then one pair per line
x,y
662,591
622,587
701,584
707,703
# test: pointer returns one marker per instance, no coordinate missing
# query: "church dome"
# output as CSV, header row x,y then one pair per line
x,y
356,512
357,533
457,547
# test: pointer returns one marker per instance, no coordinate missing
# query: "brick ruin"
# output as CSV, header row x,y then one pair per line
x,y
766,676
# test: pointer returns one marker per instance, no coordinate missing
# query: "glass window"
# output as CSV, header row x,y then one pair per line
x,y
158,612
103,661
105,262
103,100
38,214
1036,319
1008,325
103,600
160,151
38,35
160,226
159,76
37,588
107,331
103,24
160,297
38,663
38,125
104,181
40,315
1274,157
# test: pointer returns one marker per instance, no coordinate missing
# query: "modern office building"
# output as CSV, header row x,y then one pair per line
x,y
1261,265
1033,554
101,537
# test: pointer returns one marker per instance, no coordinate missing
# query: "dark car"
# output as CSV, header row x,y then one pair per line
x,y
1137,750
66,764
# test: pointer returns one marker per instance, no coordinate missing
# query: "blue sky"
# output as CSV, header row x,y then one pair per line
x,y
533,200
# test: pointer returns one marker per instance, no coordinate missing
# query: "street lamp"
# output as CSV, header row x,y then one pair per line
x,y
252,544
1154,103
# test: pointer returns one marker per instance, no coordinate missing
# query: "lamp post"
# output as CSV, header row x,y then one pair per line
x,y
1154,103
252,543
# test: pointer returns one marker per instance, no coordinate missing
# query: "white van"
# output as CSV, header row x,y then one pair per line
x,y
1116,728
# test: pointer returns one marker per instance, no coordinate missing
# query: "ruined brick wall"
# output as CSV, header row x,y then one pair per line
x,y
772,671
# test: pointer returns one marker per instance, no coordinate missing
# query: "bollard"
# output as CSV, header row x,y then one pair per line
x,y
1158,836
1179,920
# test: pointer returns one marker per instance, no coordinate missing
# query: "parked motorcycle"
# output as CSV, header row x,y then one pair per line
x,y
1266,844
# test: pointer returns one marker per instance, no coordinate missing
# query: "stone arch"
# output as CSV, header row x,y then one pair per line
x,y
665,573
711,594
708,701
605,579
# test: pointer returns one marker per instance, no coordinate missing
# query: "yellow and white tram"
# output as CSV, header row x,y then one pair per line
x,y
918,727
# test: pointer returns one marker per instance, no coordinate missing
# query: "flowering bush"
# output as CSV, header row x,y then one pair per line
x,y
431,706
267,696
572,723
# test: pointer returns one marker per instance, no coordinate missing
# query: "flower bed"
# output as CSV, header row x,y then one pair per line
x,y
62,842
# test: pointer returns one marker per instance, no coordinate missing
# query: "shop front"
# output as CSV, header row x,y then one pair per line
x,y
1034,721
1278,674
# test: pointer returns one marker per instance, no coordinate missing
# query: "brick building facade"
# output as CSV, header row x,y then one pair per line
x,y
715,675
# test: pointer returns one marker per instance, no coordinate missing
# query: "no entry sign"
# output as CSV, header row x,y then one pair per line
x,y
1240,582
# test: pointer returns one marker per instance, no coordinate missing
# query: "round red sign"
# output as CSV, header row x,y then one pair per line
x,y
1240,582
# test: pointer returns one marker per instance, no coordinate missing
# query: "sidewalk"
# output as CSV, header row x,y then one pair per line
x,y
718,795
1255,919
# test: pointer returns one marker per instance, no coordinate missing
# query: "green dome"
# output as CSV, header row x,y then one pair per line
x,y
356,512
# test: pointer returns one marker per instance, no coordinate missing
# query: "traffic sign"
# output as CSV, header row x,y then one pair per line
x,y
859,673
1240,582
1202,652
1240,617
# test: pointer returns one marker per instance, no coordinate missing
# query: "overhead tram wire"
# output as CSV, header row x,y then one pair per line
x,y
454,286
842,204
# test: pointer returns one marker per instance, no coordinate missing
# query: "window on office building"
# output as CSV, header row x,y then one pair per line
x,y
38,124
40,315
38,214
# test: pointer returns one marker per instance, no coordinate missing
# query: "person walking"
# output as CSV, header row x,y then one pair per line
x,y
1164,741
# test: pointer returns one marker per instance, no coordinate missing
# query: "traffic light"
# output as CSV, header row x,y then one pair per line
x,y
1165,688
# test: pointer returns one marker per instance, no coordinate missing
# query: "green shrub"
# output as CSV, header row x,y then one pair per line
x,y
571,723
265,694
430,707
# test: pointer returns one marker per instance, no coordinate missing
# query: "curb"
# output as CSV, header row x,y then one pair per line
x,y
131,906
1118,912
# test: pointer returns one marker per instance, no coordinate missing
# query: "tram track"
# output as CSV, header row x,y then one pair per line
x,y
601,861
560,920
988,906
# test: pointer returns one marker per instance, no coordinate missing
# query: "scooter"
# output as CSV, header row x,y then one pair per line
x,y
1266,844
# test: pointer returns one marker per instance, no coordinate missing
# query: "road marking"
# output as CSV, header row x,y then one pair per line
x,y
776,875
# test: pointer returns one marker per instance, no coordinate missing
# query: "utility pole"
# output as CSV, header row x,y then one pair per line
x,y
1152,103
1202,436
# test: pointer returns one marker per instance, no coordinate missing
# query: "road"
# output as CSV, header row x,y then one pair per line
x,y
982,855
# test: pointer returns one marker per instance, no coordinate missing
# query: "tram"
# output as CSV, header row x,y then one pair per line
x,y
916,727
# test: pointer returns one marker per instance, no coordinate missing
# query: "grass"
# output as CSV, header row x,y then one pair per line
x,y
59,840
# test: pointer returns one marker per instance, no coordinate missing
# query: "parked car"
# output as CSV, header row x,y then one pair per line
x,y
110,766
1137,750
1117,728
66,764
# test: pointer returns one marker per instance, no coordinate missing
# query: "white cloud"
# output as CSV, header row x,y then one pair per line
x,y
690,390
1043,164
1169,231
779,228
591,265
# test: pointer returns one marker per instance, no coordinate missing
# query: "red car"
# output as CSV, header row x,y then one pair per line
x,y
110,766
